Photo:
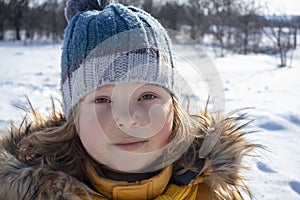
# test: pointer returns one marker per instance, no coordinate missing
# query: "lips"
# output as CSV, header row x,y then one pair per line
x,y
130,145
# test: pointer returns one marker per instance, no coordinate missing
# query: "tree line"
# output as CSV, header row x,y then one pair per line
x,y
32,20
229,25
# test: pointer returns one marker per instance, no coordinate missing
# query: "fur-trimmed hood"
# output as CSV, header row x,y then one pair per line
x,y
222,167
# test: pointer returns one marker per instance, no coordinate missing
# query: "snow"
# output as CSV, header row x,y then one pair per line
x,y
248,81
31,71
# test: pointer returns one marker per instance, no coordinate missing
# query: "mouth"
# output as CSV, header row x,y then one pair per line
x,y
131,146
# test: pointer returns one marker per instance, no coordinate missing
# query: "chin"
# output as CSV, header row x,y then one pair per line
x,y
134,162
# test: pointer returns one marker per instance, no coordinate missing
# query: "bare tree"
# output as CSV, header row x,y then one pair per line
x,y
3,17
137,3
148,6
281,31
169,15
33,19
196,12
222,16
296,25
17,8
46,20
249,26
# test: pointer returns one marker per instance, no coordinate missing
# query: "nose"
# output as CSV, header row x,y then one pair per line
x,y
127,123
126,118
125,108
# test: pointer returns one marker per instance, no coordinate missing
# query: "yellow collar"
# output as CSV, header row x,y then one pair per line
x,y
145,189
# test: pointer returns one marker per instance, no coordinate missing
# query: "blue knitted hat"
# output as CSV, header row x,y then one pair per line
x,y
110,43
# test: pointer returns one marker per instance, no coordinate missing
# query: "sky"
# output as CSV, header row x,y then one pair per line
x,y
290,7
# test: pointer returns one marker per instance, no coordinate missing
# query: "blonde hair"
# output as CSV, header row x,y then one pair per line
x,y
55,143
188,129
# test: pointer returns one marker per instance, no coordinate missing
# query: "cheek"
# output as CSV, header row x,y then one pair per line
x,y
96,120
162,137
93,124
92,138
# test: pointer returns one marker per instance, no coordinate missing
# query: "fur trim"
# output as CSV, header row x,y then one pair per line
x,y
20,181
223,148
23,181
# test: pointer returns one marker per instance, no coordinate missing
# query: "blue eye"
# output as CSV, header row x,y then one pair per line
x,y
147,97
102,100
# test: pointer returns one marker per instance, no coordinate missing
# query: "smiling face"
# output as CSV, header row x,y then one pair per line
x,y
126,124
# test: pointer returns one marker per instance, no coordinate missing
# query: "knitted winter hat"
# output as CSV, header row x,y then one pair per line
x,y
110,43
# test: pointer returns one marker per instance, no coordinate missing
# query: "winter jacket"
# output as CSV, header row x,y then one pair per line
x,y
219,174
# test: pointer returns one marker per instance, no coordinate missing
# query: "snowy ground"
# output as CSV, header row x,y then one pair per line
x,y
249,81
254,81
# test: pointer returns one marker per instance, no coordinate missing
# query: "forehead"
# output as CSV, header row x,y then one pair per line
x,y
130,86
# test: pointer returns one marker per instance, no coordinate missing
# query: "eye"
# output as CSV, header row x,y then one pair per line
x,y
147,97
99,100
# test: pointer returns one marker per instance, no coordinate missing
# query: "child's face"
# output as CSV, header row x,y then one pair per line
x,y
126,124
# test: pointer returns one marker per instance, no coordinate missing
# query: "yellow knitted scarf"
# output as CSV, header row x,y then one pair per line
x,y
175,192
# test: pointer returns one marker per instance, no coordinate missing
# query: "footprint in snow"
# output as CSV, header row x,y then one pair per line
x,y
272,126
264,168
295,185
39,74
294,119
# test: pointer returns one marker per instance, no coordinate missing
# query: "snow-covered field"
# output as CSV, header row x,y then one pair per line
x,y
249,81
